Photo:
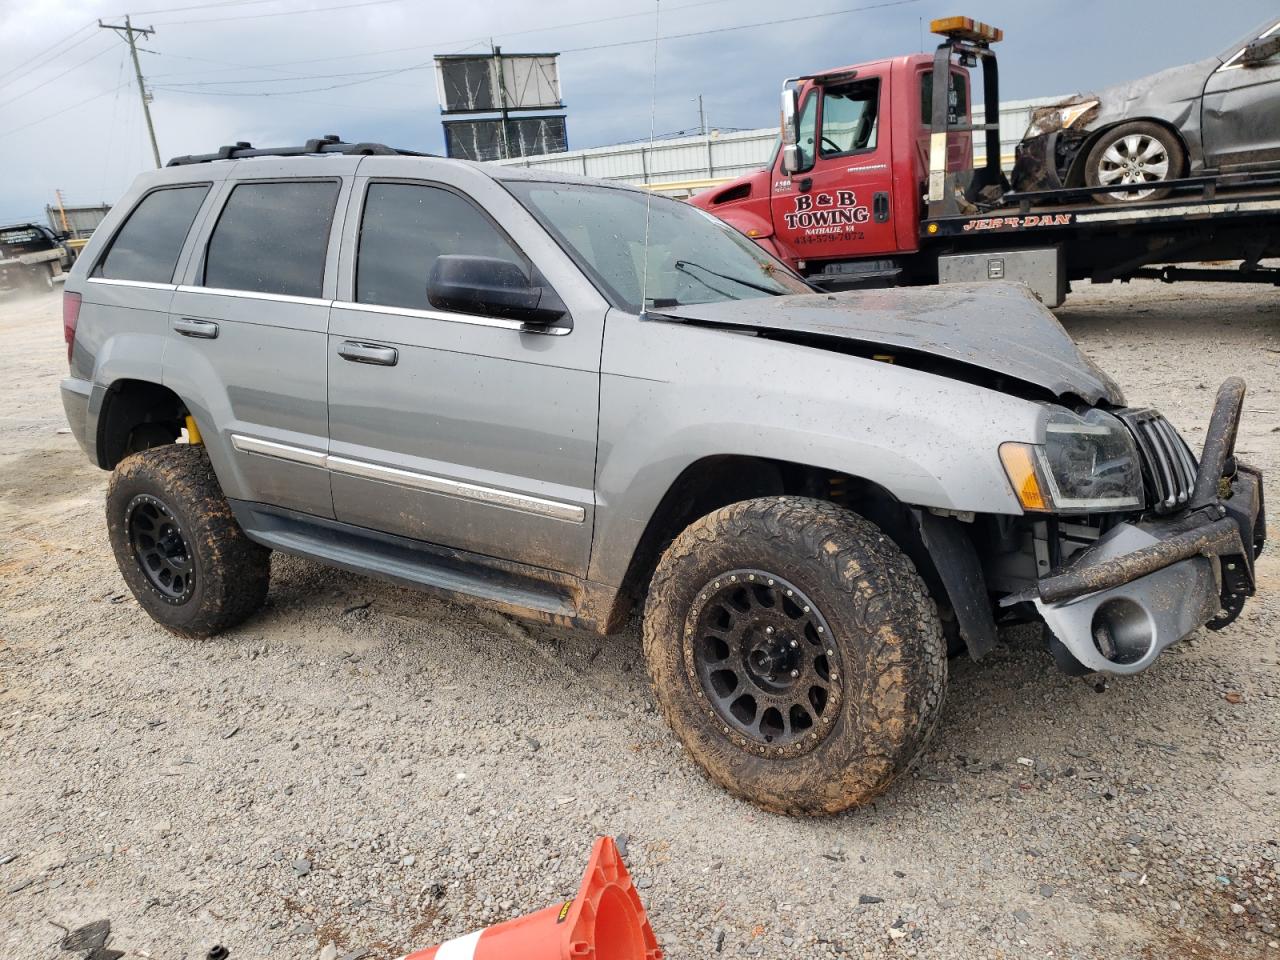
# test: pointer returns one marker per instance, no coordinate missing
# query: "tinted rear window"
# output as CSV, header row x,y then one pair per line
x,y
147,246
272,238
404,229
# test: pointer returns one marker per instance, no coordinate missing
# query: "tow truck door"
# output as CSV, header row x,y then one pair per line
x,y
840,204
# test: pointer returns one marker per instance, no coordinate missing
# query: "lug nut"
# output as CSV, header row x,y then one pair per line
x,y
794,674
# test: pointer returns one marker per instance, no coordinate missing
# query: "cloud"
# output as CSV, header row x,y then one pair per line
x,y
93,150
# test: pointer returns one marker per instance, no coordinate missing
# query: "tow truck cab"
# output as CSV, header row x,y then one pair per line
x,y
862,161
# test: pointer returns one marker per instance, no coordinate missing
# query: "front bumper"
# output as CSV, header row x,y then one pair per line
x,y
1146,585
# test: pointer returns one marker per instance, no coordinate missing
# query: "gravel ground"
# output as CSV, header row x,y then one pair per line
x,y
364,767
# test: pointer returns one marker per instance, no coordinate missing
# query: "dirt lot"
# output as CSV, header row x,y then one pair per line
x,y
365,767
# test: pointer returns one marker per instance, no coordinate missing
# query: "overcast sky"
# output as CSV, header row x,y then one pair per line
x,y
211,64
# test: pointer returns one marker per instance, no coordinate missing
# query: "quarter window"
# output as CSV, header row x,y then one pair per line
x,y
404,229
147,246
272,238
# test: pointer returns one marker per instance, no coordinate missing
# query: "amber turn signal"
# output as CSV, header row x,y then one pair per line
x,y
1019,461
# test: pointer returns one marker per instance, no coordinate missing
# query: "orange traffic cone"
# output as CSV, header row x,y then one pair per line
x,y
605,921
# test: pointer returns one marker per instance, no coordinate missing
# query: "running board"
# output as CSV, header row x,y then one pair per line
x,y
434,569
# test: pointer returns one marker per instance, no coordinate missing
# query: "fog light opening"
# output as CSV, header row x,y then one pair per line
x,y
1122,631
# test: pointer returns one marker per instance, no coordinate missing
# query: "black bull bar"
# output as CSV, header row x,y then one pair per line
x,y
1225,518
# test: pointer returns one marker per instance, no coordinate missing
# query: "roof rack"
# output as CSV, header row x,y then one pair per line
x,y
332,143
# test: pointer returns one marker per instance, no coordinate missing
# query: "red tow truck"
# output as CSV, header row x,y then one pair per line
x,y
874,183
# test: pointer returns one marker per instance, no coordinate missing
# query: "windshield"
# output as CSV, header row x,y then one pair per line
x,y
693,257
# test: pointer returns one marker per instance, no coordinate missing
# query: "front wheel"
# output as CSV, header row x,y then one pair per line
x,y
179,548
796,652
1138,152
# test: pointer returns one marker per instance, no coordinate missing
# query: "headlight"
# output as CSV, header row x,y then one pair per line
x,y
1087,464
1050,119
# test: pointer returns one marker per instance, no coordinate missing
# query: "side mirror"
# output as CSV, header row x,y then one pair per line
x,y
490,286
1261,50
790,130
790,159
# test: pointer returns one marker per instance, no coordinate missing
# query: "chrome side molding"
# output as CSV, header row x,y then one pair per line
x,y
431,483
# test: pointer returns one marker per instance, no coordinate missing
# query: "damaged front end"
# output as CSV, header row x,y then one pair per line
x,y
1114,598
1044,157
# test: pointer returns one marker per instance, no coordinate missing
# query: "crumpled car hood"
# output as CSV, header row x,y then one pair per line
x,y
999,327
1169,94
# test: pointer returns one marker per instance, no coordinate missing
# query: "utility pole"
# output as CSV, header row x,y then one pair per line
x,y
502,95
702,117
129,32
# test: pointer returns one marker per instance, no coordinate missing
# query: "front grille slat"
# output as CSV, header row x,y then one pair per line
x,y
1168,466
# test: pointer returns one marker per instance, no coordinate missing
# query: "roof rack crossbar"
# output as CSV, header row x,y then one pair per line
x,y
330,143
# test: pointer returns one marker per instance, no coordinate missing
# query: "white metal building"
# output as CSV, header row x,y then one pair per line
x,y
685,165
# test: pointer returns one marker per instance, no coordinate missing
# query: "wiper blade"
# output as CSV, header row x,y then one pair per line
x,y
686,266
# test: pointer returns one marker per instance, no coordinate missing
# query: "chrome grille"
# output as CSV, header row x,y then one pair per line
x,y
1168,465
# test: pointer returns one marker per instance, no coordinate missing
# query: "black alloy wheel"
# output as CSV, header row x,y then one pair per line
x,y
160,548
759,651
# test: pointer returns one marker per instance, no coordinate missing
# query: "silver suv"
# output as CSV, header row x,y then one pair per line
x,y
558,397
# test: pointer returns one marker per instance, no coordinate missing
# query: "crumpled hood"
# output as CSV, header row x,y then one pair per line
x,y
1169,94
1000,327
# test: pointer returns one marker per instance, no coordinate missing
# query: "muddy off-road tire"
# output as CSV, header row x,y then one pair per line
x,y
181,552
796,652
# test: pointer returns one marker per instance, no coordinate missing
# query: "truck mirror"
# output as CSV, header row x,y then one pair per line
x,y
1261,50
790,130
790,159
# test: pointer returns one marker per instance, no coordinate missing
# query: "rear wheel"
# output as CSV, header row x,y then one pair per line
x,y
179,548
1138,152
796,652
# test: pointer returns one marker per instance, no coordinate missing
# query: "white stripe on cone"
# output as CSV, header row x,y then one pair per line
x,y
461,948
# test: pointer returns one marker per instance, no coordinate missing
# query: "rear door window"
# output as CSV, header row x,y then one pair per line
x,y
405,227
147,246
273,238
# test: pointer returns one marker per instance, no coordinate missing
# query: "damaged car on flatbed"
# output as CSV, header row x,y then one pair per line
x,y
1220,114
565,399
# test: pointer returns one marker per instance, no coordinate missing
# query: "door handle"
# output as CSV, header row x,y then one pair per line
x,y
190,327
881,206
368,353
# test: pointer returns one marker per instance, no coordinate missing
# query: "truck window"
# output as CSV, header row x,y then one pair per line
x,y
849,115
808,130
146,248
404,228
957,98
272,238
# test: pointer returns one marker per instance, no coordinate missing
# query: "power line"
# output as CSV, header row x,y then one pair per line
x,y
484,40
375,75
208,6
742,26
281,13
50,116
60,53
43,84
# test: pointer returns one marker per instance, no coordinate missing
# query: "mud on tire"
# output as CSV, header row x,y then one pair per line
x,y
869,707
178,546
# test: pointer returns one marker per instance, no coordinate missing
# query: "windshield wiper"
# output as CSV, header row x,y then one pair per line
x,y
684,267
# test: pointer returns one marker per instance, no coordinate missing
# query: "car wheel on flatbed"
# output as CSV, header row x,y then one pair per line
x,y
1135,152
177,544
796,652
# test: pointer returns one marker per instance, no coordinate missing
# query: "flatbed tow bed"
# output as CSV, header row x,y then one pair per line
x,y
1204,219
900,201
